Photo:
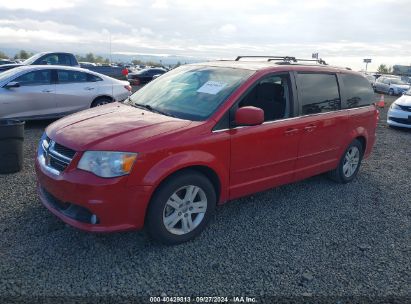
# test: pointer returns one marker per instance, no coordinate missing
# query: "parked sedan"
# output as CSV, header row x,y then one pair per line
x,y
399,114
391,85
39,92
144,76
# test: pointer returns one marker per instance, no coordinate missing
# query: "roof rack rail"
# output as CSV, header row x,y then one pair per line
x,y
269,58
284,58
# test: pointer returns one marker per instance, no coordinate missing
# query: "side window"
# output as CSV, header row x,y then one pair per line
x,y
357,91
93,78
41,77
319,93
51,59
63,59
71,76
272,95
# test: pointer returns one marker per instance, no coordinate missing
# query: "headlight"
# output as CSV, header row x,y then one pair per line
x,y
395,107
107,164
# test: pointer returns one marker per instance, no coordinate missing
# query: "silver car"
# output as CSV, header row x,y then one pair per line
x,y
391,85
40,92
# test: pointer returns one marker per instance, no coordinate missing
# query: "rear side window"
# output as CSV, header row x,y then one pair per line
x,y
319,93
93,78
71,76
357,91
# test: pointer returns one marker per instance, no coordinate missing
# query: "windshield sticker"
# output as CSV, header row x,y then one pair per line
x,y
212,87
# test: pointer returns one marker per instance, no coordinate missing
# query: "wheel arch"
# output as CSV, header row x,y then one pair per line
x,y
101,96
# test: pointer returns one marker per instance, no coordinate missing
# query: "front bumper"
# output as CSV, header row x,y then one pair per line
x,y
399,118
90,203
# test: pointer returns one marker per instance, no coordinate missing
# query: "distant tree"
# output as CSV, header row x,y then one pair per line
x,y
137,62
90,57
384,69
23,55
153,63
178,64
3,55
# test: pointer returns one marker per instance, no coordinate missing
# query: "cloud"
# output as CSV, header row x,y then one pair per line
x,y
38,5
214,29
227,29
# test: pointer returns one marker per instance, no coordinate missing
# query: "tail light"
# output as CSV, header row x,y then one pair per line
x,y
128,87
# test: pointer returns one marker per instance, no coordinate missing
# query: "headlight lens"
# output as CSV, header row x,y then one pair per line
x,y
107,164
395,107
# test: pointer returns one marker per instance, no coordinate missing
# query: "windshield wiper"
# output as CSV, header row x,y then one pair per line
x,y
150,108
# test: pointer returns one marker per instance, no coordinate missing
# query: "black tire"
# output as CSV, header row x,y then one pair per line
x,y
337,174
157,209
391,92
100,101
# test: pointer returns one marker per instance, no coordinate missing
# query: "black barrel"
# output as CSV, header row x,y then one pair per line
x,y
11,145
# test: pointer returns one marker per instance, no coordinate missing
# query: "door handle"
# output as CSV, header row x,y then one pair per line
x,y
310,128
47,91
289,132
88,88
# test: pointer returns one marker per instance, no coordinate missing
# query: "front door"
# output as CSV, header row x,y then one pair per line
x,y
35,96
264,156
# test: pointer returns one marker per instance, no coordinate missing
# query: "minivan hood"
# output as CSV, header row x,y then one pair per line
x,y
113,127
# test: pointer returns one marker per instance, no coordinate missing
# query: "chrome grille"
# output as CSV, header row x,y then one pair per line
x,y
56,156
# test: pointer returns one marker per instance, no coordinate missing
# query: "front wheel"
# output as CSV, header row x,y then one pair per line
x,y
349,164
391,92
181,208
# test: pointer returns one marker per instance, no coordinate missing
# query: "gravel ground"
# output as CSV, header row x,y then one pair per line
x,y
311,238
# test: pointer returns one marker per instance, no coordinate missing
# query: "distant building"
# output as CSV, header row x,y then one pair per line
x,y
403,70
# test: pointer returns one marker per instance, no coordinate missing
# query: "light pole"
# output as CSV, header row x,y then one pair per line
x,y
367,61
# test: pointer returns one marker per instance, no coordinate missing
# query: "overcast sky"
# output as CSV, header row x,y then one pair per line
x,y
343,32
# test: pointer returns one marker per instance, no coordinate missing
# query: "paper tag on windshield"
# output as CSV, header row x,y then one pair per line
x,y
212,87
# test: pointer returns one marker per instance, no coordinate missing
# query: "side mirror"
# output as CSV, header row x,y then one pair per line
x,y
249,116
12,84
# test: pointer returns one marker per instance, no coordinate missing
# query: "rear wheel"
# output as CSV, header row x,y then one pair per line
x,y
349,164
101,101
181,208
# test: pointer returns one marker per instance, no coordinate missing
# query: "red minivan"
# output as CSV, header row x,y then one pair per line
x,y
201,135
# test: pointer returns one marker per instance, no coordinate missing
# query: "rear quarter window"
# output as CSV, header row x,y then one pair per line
x,y
357,91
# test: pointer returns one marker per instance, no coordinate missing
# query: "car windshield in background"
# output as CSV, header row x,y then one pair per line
x,y
32,59
397,81
190,92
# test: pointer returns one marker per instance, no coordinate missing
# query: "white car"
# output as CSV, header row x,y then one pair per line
x,y
51,91
399,113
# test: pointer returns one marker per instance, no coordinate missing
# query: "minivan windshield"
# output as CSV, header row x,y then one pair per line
x,y
190,92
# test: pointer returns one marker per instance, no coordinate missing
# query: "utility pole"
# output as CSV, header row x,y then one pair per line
x,y
111,60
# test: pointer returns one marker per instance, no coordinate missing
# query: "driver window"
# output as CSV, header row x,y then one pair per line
x,y
272,95
40,77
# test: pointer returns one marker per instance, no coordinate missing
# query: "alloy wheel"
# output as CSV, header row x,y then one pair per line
x,y
185,210
351,161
